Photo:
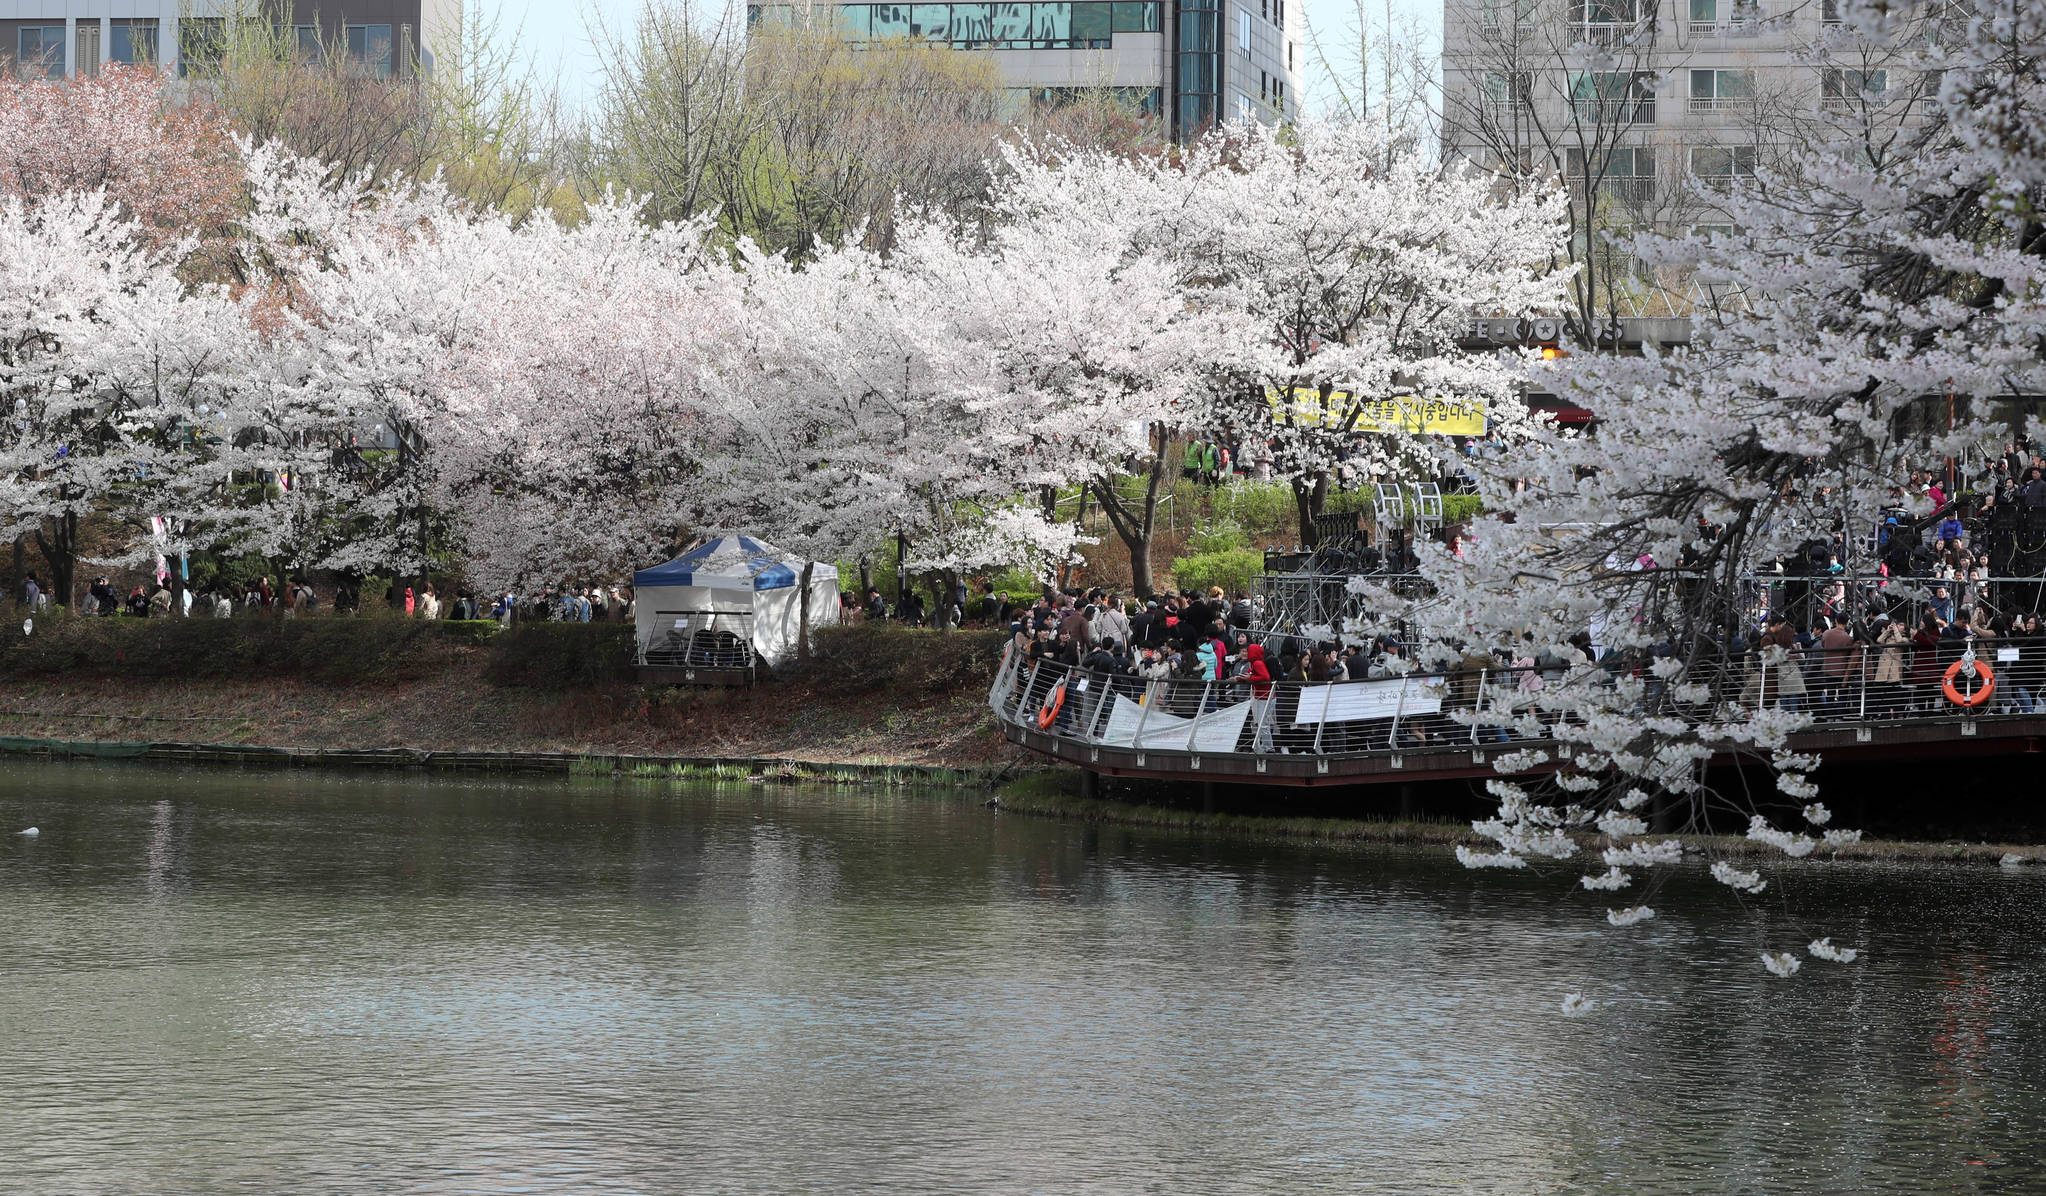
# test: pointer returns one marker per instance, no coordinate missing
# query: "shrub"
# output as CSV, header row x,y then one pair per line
x,y
1220,536
1232,570
345,650
1461,508
872,656
468,631
562,655
1263,509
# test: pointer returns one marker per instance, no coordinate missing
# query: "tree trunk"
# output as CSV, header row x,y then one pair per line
x,y
803,615
1307,501
1136,525
60,552
14,572
947,606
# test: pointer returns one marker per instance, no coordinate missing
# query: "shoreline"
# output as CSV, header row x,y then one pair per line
x,y
1041,795
1047,793
622,765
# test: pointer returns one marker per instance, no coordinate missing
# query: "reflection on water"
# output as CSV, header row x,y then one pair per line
x,y
298,983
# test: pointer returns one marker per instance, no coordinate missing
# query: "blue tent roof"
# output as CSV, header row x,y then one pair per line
x,y
726,563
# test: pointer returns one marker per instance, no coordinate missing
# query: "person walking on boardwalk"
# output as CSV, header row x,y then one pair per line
x,y
1260,677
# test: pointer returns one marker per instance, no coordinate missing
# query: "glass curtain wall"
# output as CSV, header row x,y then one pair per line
x,y
1197,67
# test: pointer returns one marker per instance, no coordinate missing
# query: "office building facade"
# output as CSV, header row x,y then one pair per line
x,y
1193,63
56,39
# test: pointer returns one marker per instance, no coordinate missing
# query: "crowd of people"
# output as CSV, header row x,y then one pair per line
x,y
160,598
1187,654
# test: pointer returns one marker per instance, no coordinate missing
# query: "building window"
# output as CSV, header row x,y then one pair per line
x,y
1143,101
369,50
39,51
1243,32
1704,16
1245,110
133,42
1136,18
1601,21
1628,173
1839,89
302,42
1721,165
1081,25
202,45
1197,73
1721,91
1624,97
1514,90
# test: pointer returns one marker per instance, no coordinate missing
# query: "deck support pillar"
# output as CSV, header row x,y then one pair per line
x,y
1207,797
1663,817
1090,783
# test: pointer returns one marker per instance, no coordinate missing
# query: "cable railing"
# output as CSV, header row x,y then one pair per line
x,y
1892,680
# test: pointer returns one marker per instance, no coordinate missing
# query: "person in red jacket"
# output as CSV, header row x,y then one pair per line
x,y
1260,678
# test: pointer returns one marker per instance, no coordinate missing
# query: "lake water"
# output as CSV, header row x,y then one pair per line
x,y
215,981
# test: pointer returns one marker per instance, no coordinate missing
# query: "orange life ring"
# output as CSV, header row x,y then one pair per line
x,y
1969,701
1048,713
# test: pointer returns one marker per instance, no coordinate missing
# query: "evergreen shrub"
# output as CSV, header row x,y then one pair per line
x,y
330,649
562,655
1232,570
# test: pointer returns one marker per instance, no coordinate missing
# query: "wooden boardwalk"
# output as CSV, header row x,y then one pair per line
x,y
1098,746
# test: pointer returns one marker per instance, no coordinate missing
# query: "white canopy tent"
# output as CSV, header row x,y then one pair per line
x,y
727,602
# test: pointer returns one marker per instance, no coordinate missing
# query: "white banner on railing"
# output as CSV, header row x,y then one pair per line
x,y
1354,701
1215,731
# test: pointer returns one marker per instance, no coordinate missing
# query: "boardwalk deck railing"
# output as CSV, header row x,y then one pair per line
x,y
1490,707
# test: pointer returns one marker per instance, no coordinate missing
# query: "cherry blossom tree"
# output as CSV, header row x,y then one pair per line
x,y
535,372
141,400
1352,268
859,402
1103,347
1875,284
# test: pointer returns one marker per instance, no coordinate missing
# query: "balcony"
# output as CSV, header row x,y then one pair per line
x,y
1614,112
1607,33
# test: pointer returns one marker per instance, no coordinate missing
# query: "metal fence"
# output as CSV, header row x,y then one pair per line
x,y
1859,599
1866,683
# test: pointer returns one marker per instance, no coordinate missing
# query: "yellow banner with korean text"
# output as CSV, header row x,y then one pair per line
x,y
1305,407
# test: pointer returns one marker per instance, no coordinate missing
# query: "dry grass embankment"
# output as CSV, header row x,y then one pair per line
x,y
870,695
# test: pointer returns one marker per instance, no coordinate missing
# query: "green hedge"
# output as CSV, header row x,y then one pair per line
x,y
1232,570
1461,508
326,648
562,655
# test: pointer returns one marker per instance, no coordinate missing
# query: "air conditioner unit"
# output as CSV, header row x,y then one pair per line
x,y
1545,330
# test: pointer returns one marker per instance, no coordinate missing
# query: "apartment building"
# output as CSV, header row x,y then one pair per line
x,y
58,39
1194,63
1651,110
